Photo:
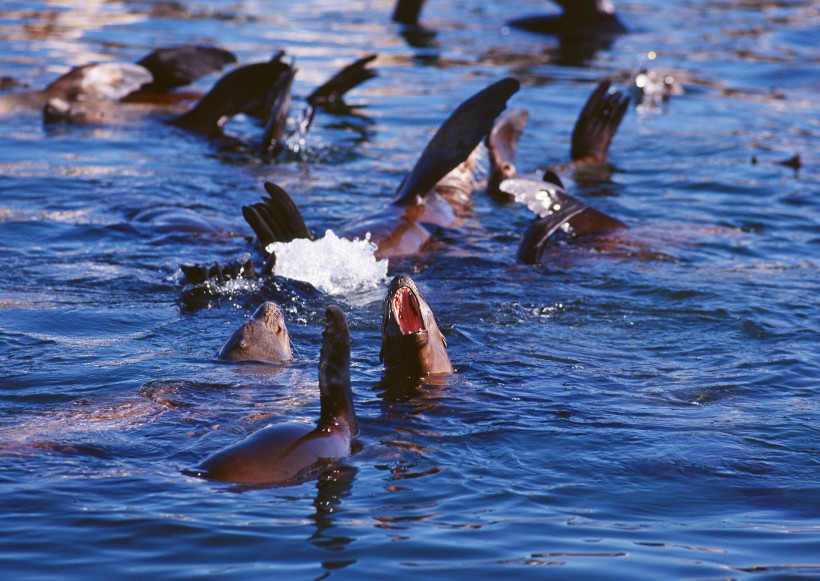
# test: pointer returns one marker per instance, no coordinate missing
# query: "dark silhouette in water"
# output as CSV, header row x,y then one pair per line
x,y
579,20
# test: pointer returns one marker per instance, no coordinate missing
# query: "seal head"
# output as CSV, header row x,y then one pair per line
x,y
412,343
263,338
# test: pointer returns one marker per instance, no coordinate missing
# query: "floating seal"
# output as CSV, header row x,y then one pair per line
x,y
158,72
264,338
292,452
412,343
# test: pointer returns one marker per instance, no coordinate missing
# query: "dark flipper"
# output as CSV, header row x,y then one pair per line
x,y
556,210
351,76
456,139
336,396
277,114
248,89
276,218
407,11
597,123
502,144
179,66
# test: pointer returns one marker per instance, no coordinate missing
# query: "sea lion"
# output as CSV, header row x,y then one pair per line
x,y
579,20
292,452
412,343
435,192
556,211
160,71
263,338
260,90
591,136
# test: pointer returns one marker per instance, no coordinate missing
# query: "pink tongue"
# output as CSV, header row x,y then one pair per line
x,y
407,312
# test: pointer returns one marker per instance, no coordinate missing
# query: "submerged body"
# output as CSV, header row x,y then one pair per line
x,y
288,453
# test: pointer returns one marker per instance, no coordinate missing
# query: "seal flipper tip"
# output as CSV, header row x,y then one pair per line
x,y
276,218
456,139
597,123
346,79
334,371
174,67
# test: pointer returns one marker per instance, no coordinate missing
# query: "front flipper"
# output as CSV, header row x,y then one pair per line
x,y
456,139
556,210
179,66
276,218
597,124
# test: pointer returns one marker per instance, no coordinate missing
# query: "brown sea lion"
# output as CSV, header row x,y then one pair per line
x,y
293,452
434,193
263,338
412,343
556,211
260,90
160,71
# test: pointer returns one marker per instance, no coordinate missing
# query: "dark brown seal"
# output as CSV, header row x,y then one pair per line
x,y
264,338
293,452
412,343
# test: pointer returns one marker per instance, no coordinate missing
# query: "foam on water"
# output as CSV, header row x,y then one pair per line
x,y
332,264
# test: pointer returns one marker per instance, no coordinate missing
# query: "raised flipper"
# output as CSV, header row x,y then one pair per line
x,y
407,11
336,395
456,139
249,89
277,114
502,145
351,76
276,218
556,210
179,66
597,124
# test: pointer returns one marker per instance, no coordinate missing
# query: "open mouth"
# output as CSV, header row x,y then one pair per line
x,y
407,312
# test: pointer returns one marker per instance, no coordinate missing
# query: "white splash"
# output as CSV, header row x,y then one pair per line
x,y
332,264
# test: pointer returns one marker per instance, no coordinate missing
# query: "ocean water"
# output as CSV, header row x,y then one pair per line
x,y
614,414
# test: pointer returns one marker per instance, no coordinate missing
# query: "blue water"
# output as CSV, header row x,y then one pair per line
x,y
610,417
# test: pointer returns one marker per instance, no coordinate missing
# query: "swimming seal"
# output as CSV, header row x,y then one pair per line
x,y
162,70
293,452
412,343
434,194
260,90
263,338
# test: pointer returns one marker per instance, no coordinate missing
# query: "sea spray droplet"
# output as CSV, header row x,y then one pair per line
x,y
332,264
